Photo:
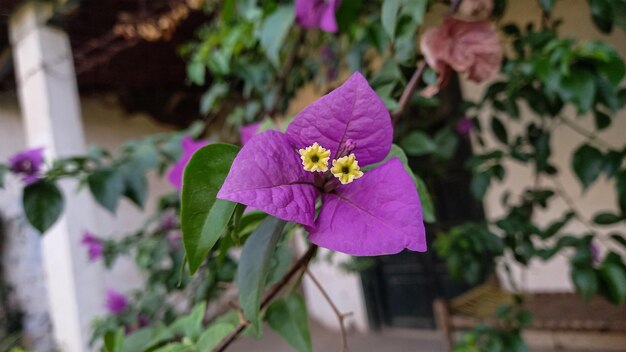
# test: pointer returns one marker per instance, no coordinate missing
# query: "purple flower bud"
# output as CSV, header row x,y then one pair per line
x,y
94,246
27,164
116,302
464,126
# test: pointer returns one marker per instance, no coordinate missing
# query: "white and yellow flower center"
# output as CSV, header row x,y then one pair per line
x,y
346,169
315,158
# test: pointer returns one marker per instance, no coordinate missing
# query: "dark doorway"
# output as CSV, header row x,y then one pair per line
x,y
400,289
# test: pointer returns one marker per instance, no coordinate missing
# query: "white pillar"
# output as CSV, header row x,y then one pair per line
x,y
50,108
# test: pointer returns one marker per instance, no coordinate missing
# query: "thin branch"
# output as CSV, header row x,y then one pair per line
x,y
405,98
271,294
583,132
340,316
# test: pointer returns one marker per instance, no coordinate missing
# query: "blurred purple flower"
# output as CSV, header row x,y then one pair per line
x,y
169,220
373,213
464,126
189,147
248,131
174,240
317,14
116,302
94,246
27,164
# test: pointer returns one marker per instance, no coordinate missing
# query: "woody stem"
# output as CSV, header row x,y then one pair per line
x,y
405,98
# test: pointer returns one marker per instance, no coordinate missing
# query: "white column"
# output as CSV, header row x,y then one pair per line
x,y
50,108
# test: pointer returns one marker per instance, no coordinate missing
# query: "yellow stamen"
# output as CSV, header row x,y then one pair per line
x,y
346,169
315,158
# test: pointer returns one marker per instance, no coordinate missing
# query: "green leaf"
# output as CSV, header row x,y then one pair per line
x,y
619,238
607,219
446,141
107,186
135,184
217,91
418,143
203,216
579,88
389,16
254,267
190,325
613,275
212,336
602,14
499,130
602,120
288,317
479,184
585,281
587,163
280,262
43,204
113,340
274,31
196,71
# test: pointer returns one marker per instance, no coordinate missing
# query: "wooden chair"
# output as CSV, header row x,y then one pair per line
x,y
552,312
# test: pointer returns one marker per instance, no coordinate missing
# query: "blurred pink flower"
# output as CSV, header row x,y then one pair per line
x,y
466,47
317,14
189,147
27,164
116,302
94,246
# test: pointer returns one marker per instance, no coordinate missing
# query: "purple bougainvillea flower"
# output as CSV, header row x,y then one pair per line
x,y
116,302
464,126
27,164
317,14
248,131
363,213
94,246
189,146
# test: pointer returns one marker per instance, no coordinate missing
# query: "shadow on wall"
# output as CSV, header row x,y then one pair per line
x,y
24,319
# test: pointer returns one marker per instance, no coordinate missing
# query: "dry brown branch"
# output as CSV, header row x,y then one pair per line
x,y
340,316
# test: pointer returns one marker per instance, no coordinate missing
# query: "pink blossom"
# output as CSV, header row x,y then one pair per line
x,y
472,48
94,246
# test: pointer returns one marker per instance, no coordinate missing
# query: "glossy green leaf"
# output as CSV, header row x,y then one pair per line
x,y
212,336
585,281
288,317
587,163
579,88
107,186
274,31
203,216
602,120
280,263
254,267
43,204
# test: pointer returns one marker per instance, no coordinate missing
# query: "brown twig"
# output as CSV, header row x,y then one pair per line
x,y
271,294
583,132
340,316
405,98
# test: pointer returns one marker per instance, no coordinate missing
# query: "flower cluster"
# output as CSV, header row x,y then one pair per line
x,y
363,213
95,246
27,164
